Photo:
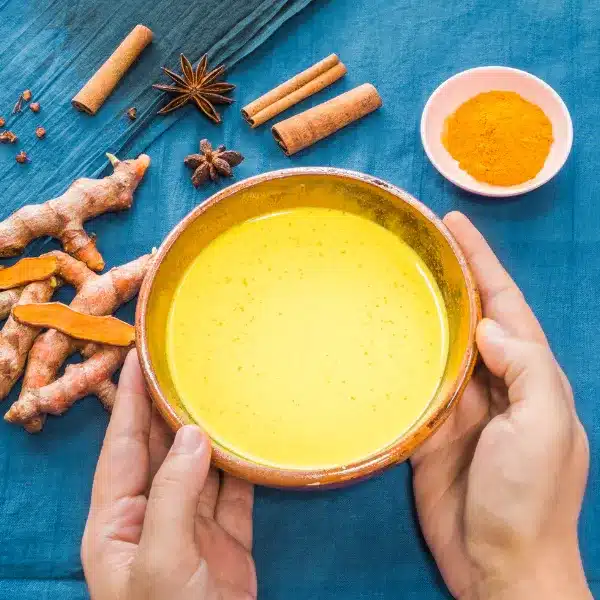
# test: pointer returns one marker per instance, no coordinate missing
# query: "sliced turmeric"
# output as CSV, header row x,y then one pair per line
x,y
78,325
28,270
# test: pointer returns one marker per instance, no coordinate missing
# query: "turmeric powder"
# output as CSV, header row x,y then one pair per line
x,y
499,138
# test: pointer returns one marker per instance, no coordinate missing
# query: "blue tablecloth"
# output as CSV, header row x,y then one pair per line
x,y
361,542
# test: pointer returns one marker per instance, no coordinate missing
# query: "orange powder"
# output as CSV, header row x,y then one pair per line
x,y
499,138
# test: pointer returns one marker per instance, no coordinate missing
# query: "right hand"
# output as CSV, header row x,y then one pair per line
x,y
163,525
499,487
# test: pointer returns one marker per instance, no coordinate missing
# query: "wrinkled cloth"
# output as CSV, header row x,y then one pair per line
x,y
361,542
53,47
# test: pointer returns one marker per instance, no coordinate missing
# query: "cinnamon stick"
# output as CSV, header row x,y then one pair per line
x,y
93,94
303,130
296,89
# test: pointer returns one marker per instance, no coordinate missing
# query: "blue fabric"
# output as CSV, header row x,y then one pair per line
x,y
360,542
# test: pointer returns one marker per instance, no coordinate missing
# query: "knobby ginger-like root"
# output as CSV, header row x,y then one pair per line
x,y
16,338
80,326
106,390
78,381
97,295
8,299
63,217
71,270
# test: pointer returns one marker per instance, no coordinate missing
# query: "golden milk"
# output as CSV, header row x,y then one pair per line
x,y
307,338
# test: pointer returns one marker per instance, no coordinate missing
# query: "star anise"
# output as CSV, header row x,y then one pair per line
x,y
212,163
198,86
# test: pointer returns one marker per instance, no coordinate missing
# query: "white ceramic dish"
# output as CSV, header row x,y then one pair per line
x,y
462,86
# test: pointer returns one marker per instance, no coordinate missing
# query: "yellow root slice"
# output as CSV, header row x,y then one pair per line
x,y
28,270
78,325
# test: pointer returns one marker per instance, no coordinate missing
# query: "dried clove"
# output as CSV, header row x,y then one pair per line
x,y
35,107
132,113
8,137
24,97
40,132
17,107
22,157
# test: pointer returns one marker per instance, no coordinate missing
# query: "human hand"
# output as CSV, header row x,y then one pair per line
x,y
499,487
163,525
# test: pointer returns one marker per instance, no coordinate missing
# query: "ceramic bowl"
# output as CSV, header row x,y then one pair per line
x,y
360,194
463,86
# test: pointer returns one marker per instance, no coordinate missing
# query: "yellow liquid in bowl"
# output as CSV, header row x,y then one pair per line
x,y
307,339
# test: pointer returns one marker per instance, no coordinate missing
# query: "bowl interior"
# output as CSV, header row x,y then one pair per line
x,y
463,86
403,217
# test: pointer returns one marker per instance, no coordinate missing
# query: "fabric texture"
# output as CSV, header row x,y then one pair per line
x,y
362,542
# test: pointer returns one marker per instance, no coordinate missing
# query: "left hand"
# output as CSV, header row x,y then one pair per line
x,y
162,523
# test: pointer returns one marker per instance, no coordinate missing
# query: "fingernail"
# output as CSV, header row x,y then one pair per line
x,y
492,331
188,440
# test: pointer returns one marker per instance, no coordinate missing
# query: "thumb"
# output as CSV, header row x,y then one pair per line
x,y
528,368
175,492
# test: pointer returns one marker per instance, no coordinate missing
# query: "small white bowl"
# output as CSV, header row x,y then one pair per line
x,y
463,86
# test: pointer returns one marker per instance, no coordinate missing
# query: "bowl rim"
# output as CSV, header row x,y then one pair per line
x,y
306,478
497,191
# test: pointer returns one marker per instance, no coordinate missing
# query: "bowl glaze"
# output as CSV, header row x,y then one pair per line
x,y
360,194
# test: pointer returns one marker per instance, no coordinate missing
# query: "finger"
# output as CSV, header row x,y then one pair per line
x,y
123,466
528,368
160,441
501,298
234,509
209,495
175,492
463,425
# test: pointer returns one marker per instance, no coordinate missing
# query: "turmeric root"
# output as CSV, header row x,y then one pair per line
x,y
63,217
81,326
8,299
28,270
79,380
105,391
71,270
97,295
17,338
